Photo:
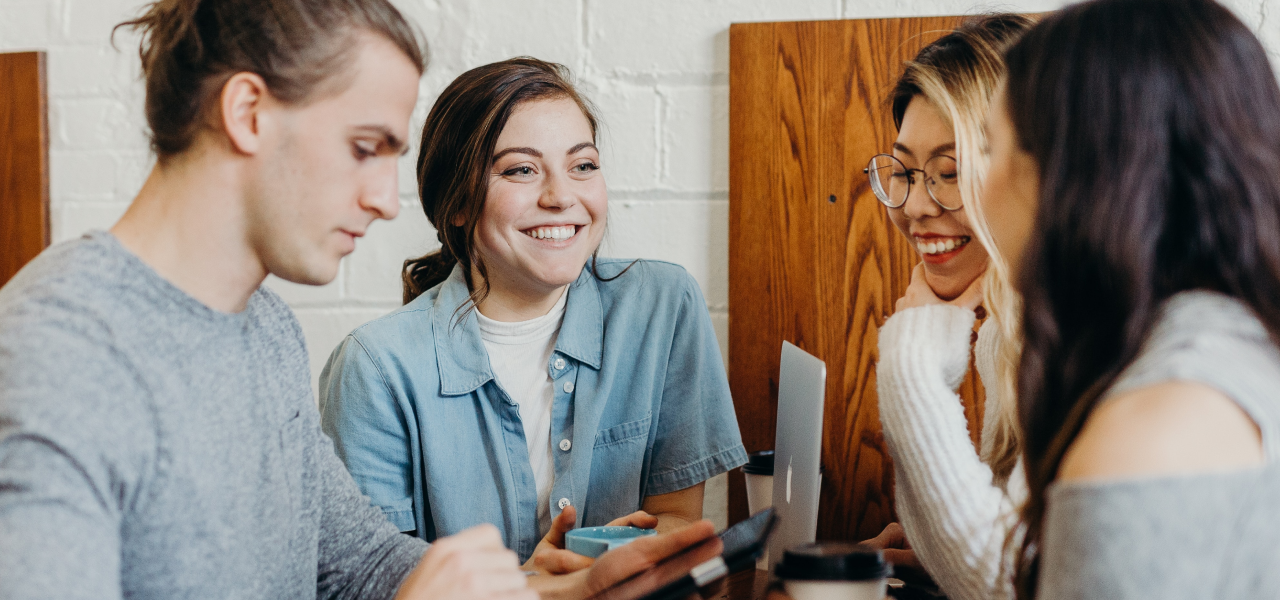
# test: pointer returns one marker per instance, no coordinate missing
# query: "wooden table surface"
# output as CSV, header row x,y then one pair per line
x,y
747,585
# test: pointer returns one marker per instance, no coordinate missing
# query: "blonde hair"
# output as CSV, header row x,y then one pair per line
x,y
959,75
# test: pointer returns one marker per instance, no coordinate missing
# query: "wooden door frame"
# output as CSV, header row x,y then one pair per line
x,y
24,160
813,258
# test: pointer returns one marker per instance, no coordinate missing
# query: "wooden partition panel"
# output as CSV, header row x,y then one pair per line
x,y
813,258
24,161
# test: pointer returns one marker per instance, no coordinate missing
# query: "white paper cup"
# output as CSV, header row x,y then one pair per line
x,y
834,571
759,492
759,475
835,590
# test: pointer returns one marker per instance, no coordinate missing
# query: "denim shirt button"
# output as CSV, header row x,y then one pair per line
x,y
559,363
565,445
563,503
568,387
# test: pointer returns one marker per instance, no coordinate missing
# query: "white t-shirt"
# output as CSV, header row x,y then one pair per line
x,y
520,355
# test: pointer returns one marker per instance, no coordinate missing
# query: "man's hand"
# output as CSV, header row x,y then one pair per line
x,y
550,557
897,550
619,564
470,565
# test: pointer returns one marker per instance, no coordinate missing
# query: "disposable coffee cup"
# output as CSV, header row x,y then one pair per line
x,y
834,571
759,475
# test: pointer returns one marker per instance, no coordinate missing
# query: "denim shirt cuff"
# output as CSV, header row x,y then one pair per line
x,y
401,518
697,472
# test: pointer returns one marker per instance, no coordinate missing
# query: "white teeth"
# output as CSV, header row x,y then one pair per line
x,y
941,246
552,233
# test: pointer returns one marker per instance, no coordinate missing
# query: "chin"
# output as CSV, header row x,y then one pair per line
x,y
308,274
562,275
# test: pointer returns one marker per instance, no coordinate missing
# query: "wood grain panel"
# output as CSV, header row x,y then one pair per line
x,y
813,258
24,161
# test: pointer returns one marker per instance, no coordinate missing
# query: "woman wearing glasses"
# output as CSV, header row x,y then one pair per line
x,y
956,504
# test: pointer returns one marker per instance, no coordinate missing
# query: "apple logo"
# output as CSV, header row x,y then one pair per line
x,y
789,480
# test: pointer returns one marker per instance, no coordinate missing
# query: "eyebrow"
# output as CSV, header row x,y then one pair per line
x,y
388,138
538,153
949,146
521,150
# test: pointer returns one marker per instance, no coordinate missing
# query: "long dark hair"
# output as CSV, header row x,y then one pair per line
x,y
190,48
1156,128
458,140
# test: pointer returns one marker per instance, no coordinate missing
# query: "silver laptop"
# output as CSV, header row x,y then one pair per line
x,y
797,456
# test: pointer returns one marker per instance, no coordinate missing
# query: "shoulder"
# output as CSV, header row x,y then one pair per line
x,y
63,367
66,298
409,324
649,278
66,279
1167,429
387,340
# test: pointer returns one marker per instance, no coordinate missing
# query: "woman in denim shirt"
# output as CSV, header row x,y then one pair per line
x,y
525,379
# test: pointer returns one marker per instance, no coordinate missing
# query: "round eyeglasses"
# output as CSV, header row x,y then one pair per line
x,y
891,181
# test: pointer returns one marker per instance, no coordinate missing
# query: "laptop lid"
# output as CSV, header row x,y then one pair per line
x,y
797,457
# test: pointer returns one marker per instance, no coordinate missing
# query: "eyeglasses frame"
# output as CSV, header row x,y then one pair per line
x,y
910,180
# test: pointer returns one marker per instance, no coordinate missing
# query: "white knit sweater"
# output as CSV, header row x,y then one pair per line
x,y
955,517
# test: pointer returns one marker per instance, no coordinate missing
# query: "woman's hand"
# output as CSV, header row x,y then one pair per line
x,y
897,550
920,294
551,558
470,565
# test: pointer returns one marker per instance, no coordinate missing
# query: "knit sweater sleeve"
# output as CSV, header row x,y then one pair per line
x,y
954,515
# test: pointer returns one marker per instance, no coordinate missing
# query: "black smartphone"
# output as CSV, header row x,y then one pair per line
x,y
735,549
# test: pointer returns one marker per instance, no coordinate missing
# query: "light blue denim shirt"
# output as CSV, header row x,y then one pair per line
x,y
641,395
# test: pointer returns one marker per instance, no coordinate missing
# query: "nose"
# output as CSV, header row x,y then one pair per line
x,y
919,205
381,196
558,193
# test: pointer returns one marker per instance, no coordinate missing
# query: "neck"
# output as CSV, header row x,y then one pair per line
x,y
188,223
512,303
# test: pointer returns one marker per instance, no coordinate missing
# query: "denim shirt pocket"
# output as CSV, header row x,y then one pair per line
x,y
623,433
617,467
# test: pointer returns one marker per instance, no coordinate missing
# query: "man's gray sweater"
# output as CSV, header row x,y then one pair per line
x,y
151,447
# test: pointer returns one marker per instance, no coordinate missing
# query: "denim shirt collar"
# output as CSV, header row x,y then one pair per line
x,y
460,353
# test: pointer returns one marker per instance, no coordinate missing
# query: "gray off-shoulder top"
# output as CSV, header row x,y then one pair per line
x,y
1201,536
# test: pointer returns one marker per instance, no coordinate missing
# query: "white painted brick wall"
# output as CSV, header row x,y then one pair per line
x,y
657,69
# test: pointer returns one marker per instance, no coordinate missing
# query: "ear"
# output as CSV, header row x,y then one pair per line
x,y
242,101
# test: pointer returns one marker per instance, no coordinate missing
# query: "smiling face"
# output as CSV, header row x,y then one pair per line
x,y
1012,186
544,214
952,260
328,168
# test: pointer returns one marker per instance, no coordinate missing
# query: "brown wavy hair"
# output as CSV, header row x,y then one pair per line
x,y
301,49
1155,127
458,141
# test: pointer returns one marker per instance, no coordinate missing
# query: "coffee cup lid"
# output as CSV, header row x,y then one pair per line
x,y
833,561
759,463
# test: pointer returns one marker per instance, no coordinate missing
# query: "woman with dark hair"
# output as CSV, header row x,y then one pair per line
x,y
956,502
1133,166
525,380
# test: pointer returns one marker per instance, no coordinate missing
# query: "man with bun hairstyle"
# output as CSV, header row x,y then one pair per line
x,y
158,436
